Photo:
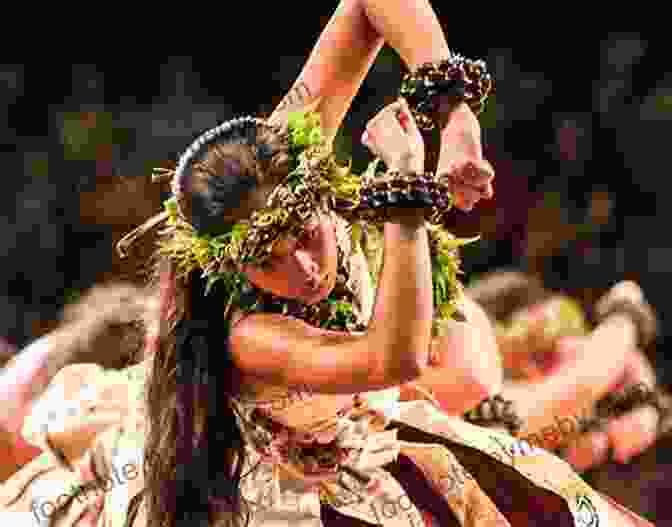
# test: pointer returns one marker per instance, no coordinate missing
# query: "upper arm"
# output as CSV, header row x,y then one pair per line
x,y
335,69
287,351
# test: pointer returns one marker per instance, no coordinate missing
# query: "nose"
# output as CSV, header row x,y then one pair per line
x,y
307,265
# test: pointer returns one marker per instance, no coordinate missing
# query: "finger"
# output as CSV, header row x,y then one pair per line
x,y
463,203
386,136
587,450
632,433
489,191
386,116
638,369
466,197
367,141
487,167
465,177
406,118
478,173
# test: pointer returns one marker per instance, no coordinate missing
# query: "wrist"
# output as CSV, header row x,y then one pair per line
x,y
406,228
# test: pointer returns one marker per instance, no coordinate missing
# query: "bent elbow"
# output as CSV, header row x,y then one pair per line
x,y
399,367
411,370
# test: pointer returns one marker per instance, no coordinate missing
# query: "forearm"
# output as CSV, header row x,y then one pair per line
x,y
411,27
26,377
400,328
582,382
349,45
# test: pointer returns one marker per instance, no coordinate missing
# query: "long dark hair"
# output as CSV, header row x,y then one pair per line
x,y
194,451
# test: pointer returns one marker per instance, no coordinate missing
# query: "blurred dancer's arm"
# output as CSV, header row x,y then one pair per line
x,y
629,434
26,377
578,383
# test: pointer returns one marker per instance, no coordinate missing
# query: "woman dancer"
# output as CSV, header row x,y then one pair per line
x,y
545,342
237,339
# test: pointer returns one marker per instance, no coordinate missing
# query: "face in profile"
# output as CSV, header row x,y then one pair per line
x,y
300,268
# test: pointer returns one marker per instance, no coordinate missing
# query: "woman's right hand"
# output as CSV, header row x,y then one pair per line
x,y
393,136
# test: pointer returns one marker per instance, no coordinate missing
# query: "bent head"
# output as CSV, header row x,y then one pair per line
x,y
302,268
231,180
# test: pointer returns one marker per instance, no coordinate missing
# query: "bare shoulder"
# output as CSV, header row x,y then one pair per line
x,y
279,335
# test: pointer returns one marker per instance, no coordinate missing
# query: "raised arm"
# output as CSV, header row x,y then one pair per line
x,y
395,347
350,43
343,56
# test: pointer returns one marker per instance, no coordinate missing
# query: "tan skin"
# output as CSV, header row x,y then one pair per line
x,y
629,434
285,351
575,374
280,350
288,352
327,84
569,379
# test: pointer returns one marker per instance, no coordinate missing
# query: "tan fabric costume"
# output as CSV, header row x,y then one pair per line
x,y
90,424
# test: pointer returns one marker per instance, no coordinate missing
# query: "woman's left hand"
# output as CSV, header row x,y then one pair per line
x,y
461,159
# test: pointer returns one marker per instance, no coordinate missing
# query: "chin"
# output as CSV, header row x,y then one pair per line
x,y
317,296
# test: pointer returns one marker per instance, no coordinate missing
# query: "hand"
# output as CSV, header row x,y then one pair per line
x,y
393,136
628,434
461,158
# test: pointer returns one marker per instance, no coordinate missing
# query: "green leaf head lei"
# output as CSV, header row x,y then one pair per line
x,y
315,184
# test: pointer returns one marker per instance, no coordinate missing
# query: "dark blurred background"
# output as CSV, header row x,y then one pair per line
x,y
577,132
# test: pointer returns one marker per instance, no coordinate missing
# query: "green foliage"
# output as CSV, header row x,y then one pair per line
x,y
446,286
39,167
488,117
342,314
304,129
72,296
